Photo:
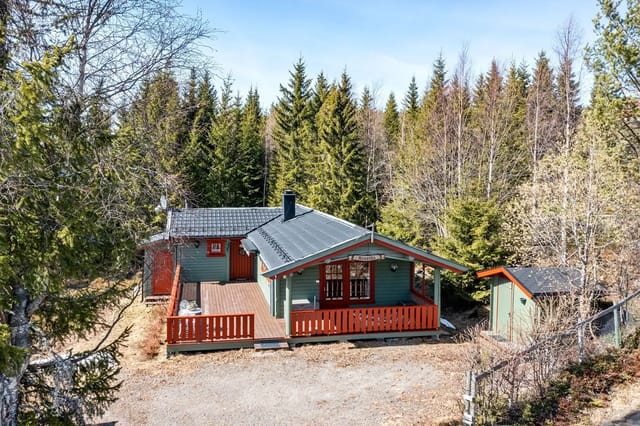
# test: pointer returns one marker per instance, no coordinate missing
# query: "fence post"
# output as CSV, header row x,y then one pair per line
x,y
616,326
469,397
580,343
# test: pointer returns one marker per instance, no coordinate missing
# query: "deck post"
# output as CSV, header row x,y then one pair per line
x,y
436,293
287,305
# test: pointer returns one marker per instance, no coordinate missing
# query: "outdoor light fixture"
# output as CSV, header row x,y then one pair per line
x,y
196,244
393,267
523,300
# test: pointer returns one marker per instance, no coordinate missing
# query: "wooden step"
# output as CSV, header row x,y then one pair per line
x,y
262,346
156,300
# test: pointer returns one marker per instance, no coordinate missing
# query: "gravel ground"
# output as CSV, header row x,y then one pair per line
x,y
343,383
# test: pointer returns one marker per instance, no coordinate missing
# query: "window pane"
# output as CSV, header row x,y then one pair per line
x,y
359,280
333,282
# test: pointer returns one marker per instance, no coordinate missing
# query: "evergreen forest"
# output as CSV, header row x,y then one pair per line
x,y
107,106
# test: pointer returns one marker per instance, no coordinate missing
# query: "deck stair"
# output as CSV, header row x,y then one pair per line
x,y
156,300
262,346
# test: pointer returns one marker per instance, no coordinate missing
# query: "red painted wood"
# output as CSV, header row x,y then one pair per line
x,y
363,320
210,328
241,264
161,272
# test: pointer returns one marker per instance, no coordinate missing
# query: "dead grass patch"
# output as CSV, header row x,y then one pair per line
x,y
154,332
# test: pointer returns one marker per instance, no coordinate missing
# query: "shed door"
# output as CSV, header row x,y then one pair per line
x,y
504,311
241,265
162,272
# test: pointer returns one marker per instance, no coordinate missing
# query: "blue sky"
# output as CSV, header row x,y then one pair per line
x,y
382,44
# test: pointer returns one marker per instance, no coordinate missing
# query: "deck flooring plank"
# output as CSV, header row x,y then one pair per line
x,y
241,297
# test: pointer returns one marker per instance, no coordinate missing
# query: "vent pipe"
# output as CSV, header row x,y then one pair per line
x,y
289,204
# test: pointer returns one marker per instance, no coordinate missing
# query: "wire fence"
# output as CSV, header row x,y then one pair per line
x,y
514,374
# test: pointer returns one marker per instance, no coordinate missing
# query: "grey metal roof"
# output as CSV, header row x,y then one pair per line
x,y
539,281
310,232
220,222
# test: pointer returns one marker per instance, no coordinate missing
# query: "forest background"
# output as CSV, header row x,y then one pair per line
x,y
501,167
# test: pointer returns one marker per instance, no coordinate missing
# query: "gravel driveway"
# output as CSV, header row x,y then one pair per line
x,y
402,382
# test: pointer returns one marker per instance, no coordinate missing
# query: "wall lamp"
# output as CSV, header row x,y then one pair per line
x,y
393,267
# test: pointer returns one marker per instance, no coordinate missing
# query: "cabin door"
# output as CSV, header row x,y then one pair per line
x,y
241,265
161,272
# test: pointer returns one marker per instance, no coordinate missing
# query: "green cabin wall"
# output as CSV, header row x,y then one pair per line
x,y
197,266
263,282
391,288
509,317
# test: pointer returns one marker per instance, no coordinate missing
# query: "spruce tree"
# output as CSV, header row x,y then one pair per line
x,y
251,152
541,121
340,188
196,157
224,177
293,133
411,100
391,121
65,221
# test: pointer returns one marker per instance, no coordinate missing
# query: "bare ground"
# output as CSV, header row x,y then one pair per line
x,y
623,407
414,381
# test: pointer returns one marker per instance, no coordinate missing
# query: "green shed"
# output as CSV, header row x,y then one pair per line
x,y
515,293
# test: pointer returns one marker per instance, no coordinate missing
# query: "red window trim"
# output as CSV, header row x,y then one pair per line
x,y
221,252
346,274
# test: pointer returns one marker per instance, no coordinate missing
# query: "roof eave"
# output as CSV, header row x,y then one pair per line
x,y
318,257
488,273
422,255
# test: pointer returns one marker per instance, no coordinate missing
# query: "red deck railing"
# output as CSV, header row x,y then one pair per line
x,y
204,328
209,328
364,320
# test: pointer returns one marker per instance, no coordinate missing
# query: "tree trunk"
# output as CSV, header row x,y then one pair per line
x,y
20,337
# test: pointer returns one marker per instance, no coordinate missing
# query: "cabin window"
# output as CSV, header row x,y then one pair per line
x,y
215,248
333,288
347,282
359,280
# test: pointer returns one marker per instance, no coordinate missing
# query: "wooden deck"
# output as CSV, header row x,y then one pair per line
x,y
241,297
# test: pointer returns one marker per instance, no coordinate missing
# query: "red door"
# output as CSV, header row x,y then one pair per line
x,y
241,264
161,272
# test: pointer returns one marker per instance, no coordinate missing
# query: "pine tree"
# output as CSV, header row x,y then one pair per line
x,y
340,188
292,134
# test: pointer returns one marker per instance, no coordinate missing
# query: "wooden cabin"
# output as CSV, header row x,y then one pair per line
x,y
516,293
241,276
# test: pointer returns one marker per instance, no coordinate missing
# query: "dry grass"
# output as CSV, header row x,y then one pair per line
x,y
154,332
